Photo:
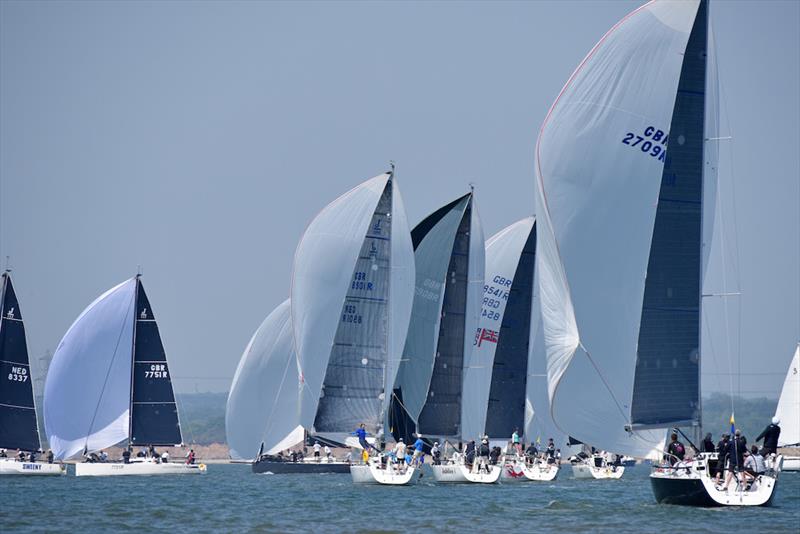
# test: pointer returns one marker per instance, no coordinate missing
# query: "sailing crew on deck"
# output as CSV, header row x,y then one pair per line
x,y
737,447
361,432
754,464
675,450
531,453
469,454
317,448
483,454
419,450
3,453
190,457
32,457
49,456
400,450
151,452
21,456
723,451
551,451
165,457
515,442
142,453
770,436
328,453
708,444
126,456
436,454
103,456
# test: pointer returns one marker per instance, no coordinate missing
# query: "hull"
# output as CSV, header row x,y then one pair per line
x,y
137,468
460,474
13,467
519,472
299,468
692,485
374,474
791,463
590,472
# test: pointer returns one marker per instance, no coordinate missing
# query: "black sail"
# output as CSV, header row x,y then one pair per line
x,y
667,380
441,414
18,427
506,409
154,414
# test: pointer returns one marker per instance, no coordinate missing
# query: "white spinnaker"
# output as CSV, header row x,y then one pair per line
x,y
323,265
597,199
401,289
263,401
788,410
471,420
88,390
502,257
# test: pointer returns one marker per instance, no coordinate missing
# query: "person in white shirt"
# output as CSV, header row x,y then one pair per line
x,y
400,451
753,464
165,457
328,453
317,448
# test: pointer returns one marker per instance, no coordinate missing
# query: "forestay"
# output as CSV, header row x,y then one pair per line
x,y
262,404
87,393
600,161
18,427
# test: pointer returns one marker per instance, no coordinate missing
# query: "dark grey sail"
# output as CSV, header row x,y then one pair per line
x,y
18,427
441,414
433,240
667,380
506,409
154,414
353,387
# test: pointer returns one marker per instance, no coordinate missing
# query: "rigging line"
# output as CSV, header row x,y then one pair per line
x,y
605,382
108,373
188,423
710,339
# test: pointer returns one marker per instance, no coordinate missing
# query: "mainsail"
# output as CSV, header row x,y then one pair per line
x,y
620,230
498,373
101,389
356,258
18,427
788,410
263,401
449,254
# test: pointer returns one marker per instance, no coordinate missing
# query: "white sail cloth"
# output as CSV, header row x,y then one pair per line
x,y
88,388
596,205
323,265
262,404
502,257
788,410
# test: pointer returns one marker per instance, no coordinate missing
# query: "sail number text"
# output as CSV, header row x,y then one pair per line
x,y
493,295
360,282
18,374
652,142
350,314
157,370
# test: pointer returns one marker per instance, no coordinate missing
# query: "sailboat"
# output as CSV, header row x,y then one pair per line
x,y
502,351
18,427
788,412
110,382
261,415
626,162
351,295
428,392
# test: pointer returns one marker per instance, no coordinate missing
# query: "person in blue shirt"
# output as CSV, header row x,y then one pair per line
x,y
419,449
361,432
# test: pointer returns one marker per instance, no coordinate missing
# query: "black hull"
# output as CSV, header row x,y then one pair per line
x,y
299,468
686,492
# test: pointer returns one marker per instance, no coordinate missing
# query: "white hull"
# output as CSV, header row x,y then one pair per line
x,y
539,472
9,466
690,483
137,468
458,473
586,471
374,474
791,463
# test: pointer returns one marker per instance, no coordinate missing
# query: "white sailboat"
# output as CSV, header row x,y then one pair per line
x,y
626,162
18,427
352,289
109,382
429,390
261,415
500,373
788,412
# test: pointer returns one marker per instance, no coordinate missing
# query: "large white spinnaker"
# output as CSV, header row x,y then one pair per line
x,y
600,157
788,410
88,390
262,405
352,289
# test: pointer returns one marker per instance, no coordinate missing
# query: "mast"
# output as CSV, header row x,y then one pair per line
x,y
133,357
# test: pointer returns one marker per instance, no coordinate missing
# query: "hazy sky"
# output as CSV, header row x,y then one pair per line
x,y
199,139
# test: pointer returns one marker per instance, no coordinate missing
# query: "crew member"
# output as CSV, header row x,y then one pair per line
x,y
770,436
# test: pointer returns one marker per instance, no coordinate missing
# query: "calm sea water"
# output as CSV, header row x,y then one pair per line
x,y
232,499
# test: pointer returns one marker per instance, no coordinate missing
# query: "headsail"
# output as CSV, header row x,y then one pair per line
x,y
262,405
600,170
18,427
356,258
498,373
154,413
88,390
788,410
